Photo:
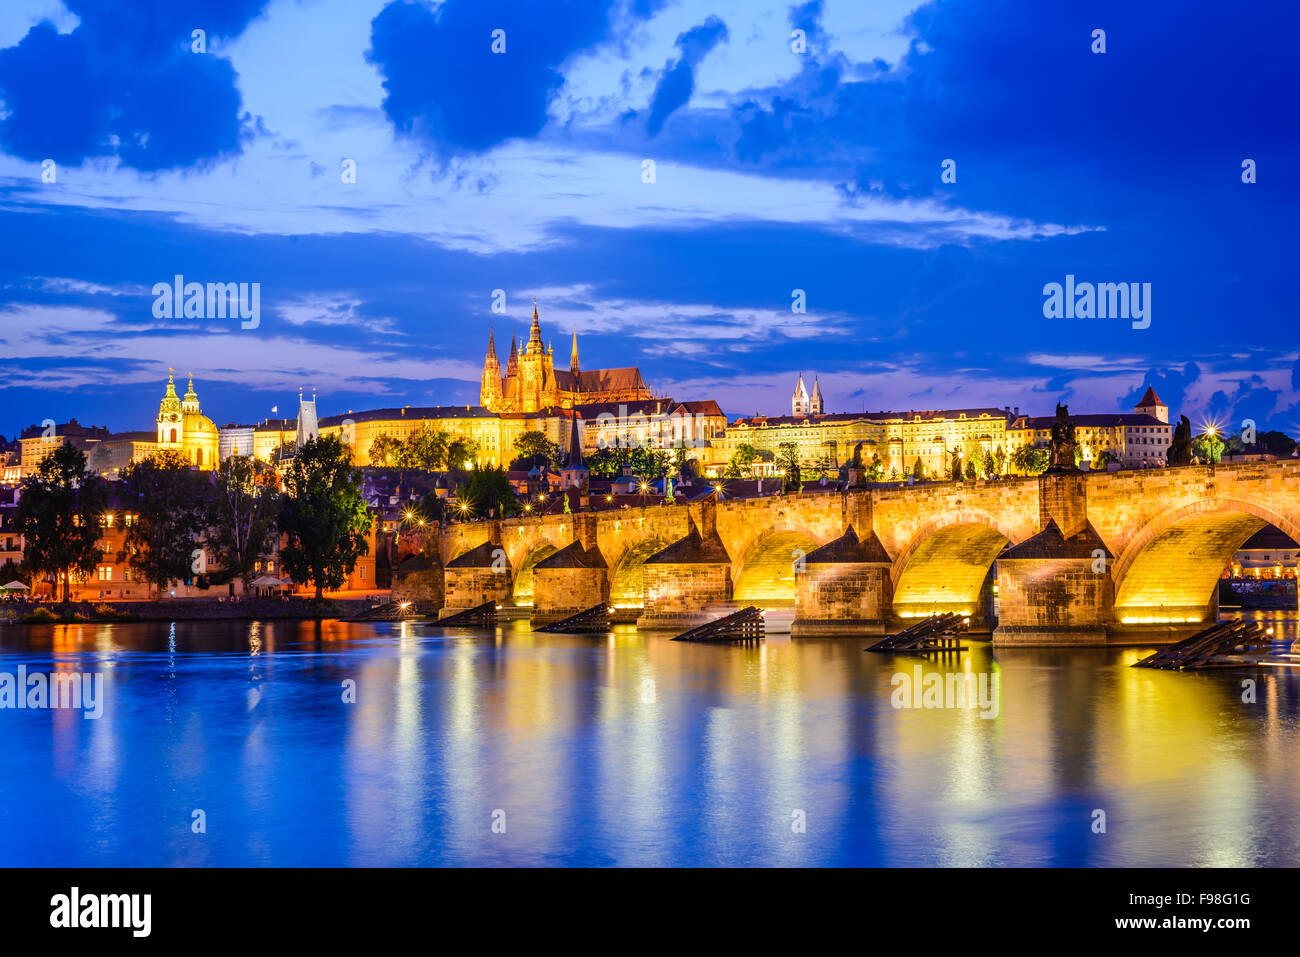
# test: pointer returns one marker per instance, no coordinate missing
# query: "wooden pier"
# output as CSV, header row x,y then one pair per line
x,y
745,626
597,618
1229,644
480,616
936,635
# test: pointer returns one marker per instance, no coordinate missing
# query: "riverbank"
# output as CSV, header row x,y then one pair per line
x,y
186,609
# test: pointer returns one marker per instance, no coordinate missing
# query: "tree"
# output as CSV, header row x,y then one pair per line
x,y
999,461
12,571
1030,460
918,470
459,452
172,505
988,466
323,514
877,469
742,461
1180,446
60,513
970,470
1208,448
1104,458
245,509
426,449
954,465
607,463
787,458
487,490
386,450
534,449
686,469
1276,443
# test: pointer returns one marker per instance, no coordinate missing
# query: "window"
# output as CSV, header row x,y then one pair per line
x,y
105,573
363,572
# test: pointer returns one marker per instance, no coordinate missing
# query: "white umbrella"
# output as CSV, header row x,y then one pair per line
x,y
16,586
266,581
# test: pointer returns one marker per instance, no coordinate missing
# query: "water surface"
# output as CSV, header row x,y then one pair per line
x,y
627,749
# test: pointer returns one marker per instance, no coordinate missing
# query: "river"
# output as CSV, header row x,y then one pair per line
x,y
231,743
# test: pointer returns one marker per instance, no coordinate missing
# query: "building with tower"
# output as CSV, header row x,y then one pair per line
x,y
183,428
531,383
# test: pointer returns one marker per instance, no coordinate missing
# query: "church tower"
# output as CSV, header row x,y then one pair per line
x,y
1150,404
816,402
171,430
573,354
799,401
489,393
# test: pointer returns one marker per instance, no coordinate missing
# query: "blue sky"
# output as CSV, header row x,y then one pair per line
x,y
775,170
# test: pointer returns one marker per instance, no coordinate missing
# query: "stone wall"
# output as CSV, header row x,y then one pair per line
x,y
561,592
679,596
842,598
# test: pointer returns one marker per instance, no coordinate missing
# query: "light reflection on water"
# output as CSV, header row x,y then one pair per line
x,y
628,749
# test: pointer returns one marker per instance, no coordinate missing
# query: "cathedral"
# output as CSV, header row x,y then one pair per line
x,y
531,382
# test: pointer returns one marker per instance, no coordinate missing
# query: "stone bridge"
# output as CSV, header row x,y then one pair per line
x,y
1067,557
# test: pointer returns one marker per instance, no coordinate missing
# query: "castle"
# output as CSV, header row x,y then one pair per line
x,y
532,383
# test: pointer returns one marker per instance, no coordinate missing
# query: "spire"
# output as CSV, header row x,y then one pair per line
x,y
535,333
170,401
573,354
575,448
492,345
816,406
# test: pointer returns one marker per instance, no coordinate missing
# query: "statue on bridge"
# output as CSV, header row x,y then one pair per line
x,y
856,472
1064,446
1180,446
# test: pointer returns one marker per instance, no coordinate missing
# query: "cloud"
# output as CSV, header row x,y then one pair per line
x,y
125,84
447,89
678,79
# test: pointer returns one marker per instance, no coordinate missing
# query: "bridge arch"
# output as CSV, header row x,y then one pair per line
x,y
944,566
1168,570
766,573
523,593
627,577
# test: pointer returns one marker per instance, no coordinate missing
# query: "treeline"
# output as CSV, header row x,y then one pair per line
x,y
183,521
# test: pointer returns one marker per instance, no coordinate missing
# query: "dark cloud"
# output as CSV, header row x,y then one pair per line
x,y
444,85
125,83
678,79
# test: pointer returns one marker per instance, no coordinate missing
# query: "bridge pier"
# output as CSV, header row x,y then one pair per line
x,y
843,588
685,579
1055,587
420,580
572,579
480,575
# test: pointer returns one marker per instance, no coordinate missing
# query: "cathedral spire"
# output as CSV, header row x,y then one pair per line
x,y
573,354
492,345
535,346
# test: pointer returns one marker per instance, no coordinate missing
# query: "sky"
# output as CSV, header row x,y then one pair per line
x,y
913,173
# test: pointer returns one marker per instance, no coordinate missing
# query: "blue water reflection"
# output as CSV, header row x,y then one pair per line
x,y
627,750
